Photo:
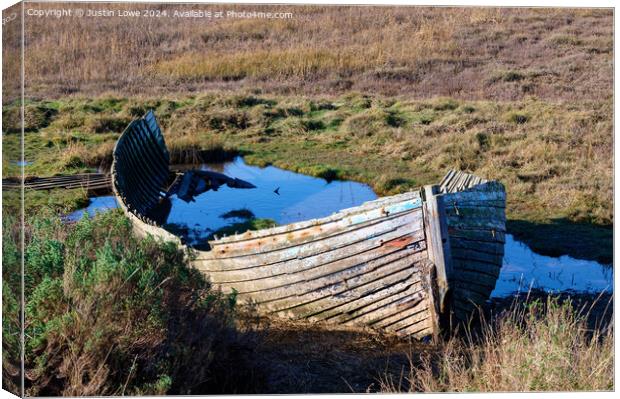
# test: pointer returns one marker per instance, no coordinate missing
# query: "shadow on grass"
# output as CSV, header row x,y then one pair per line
x,y
562,237
293,358
196,156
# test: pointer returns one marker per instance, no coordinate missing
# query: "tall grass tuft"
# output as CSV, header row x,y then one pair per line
x,y
542,346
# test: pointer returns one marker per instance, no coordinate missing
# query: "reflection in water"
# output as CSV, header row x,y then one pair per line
x,y
280,195
523,269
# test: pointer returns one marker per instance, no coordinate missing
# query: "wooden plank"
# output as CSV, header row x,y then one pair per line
x,y
394,311
324,262
379,302
437,242
123,178
403,311
140,166
418,318
140,192
340,301
150,176
491,269
456,222
338,287
496,248
148,173
471,255
489,223
299,284
474,286
329,243
475,203
154,155
389,314
487,186
475,277
475,196
373,294
487,235
476,226
368,313
315,234
435,307
447,178
416,331
475,212
86,181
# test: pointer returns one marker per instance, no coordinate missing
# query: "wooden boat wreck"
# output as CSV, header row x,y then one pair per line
x,y
402,263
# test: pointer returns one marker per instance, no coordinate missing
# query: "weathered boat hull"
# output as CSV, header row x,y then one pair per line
x,y
476,218
395,263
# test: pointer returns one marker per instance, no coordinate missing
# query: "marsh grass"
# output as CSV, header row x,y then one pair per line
x,y
194,150
470,53
539,345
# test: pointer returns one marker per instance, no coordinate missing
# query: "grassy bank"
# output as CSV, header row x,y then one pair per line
x,y
555,159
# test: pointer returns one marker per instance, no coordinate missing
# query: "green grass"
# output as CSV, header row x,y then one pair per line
x,y
52,202
553,158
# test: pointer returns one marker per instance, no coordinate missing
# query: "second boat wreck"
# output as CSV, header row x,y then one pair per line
x,y
404,263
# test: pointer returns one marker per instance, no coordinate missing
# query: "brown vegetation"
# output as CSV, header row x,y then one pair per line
x,y
546,345
470,53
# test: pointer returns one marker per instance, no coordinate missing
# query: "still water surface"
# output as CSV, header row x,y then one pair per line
x,y
524,269
280,195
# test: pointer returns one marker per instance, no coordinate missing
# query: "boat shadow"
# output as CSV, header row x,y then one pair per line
x,y
284,357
